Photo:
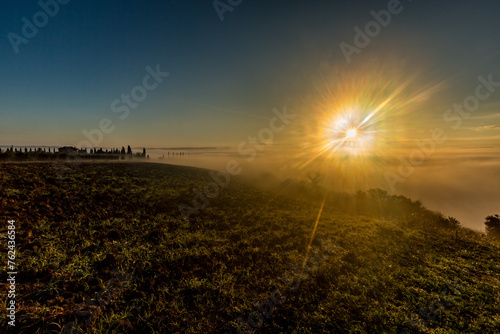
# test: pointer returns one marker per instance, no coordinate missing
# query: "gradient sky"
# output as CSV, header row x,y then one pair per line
x,y
227,76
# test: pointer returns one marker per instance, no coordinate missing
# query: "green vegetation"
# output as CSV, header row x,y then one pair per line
x,y
493,226
104,248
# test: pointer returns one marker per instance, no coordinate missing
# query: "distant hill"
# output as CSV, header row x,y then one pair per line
x,y
104,247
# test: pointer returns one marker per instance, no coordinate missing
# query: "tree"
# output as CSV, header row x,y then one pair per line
x,y
123,150
129,150
314,177
493,226
450,222
378,194
144,152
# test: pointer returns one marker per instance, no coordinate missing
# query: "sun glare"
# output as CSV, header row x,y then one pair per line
x,y
351,133
355,121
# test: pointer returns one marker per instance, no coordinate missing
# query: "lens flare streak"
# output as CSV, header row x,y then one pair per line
x,y
353,123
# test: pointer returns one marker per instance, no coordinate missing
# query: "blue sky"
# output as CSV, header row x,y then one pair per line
x,y
225,77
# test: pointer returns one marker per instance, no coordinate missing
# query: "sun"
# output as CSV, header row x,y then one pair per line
x,y
355,121
351,133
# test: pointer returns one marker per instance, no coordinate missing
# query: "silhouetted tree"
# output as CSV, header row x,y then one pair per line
x,y
449,222
123,150
129,150
144,152
378,194
493,226
314,177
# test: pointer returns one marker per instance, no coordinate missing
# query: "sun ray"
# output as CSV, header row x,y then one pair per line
x,y
353,120
312,235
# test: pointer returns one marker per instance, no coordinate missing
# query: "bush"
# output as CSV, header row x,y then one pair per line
x,y
493,226
450,222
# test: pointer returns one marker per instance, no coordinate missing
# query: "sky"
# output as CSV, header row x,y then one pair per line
x,y
216,70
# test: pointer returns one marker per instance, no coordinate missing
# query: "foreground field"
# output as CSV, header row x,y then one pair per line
x,y
103,248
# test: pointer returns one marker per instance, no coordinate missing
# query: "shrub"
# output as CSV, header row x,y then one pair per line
x,y
493,226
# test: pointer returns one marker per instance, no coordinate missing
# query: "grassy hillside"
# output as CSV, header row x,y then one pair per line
x,y
103,248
